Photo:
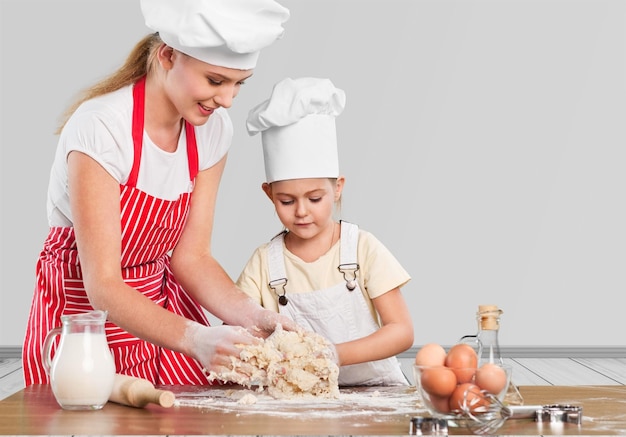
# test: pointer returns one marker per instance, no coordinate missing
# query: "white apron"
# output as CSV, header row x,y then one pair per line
x,y
339,313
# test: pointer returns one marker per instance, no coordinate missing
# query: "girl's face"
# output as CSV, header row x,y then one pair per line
x,y
196,88
305,206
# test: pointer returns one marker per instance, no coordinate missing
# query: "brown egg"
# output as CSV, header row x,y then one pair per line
x,y
491,377
438,381
462,359
441,404
468,394
431,354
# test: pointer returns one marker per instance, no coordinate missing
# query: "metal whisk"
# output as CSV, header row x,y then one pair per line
x,y
488,419
485,420
482,411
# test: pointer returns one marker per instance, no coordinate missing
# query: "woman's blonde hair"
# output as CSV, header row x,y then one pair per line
x,y
139,62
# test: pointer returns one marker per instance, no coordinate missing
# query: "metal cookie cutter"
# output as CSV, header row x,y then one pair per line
x,y
546,413
428,426
561,413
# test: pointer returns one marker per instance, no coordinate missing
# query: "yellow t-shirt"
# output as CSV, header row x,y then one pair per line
x,y
379,272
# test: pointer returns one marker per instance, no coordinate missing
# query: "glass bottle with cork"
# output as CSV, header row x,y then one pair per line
x,y
487,345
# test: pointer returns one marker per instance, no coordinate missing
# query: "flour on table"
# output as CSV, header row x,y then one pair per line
x,y
366,402
289,364
247,399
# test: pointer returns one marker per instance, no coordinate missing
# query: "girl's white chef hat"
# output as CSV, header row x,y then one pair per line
x,y
298,129
227,33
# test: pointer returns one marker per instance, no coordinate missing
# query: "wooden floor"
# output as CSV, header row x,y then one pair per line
x,y
526,371
11,379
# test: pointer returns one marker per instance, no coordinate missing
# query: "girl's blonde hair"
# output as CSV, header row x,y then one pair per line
x,y
140,61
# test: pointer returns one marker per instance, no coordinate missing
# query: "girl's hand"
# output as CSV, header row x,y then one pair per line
x,y
263,322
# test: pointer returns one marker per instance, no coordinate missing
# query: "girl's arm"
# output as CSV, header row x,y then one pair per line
x,y
394,336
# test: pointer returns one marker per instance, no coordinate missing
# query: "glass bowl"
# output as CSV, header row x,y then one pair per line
x,y
453,393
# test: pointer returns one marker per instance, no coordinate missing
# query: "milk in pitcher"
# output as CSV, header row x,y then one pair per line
x,y
82,370
83,374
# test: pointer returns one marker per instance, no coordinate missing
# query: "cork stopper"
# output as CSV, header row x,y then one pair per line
x,y
489,317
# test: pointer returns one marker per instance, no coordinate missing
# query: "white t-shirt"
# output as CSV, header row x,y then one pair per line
x,y
379,272
102,129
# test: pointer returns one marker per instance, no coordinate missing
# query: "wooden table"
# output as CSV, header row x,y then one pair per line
x,y
35,411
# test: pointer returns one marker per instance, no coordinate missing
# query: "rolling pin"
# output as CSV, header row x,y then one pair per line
x,y
138,392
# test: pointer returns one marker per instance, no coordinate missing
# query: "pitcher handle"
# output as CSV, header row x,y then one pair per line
x,y
47,348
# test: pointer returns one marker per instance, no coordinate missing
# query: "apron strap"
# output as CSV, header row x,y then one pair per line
x,y
192,150
276,264
348,264
139,97
139,101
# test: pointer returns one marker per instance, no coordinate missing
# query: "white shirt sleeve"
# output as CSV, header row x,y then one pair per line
x,y
102,129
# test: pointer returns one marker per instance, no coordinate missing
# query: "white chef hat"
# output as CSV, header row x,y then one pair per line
x,y
227,33
298,129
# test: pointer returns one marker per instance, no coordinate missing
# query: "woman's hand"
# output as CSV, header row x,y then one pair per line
x,y
217,348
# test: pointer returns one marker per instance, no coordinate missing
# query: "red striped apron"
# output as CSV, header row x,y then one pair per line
x,y
150,227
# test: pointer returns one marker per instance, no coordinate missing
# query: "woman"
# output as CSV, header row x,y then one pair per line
x,y
135,180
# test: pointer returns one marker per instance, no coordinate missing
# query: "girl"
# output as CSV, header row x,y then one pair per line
x,y
329,277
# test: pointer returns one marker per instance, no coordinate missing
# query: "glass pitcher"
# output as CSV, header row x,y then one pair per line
x,y
82,369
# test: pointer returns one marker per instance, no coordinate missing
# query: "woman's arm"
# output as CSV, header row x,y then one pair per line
x,y
394,336
203,277
95,204
192,260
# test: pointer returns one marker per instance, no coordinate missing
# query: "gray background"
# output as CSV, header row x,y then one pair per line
x,y
483,142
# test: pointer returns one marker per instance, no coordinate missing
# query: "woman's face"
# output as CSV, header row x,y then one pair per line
x,y
305,206
196,88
